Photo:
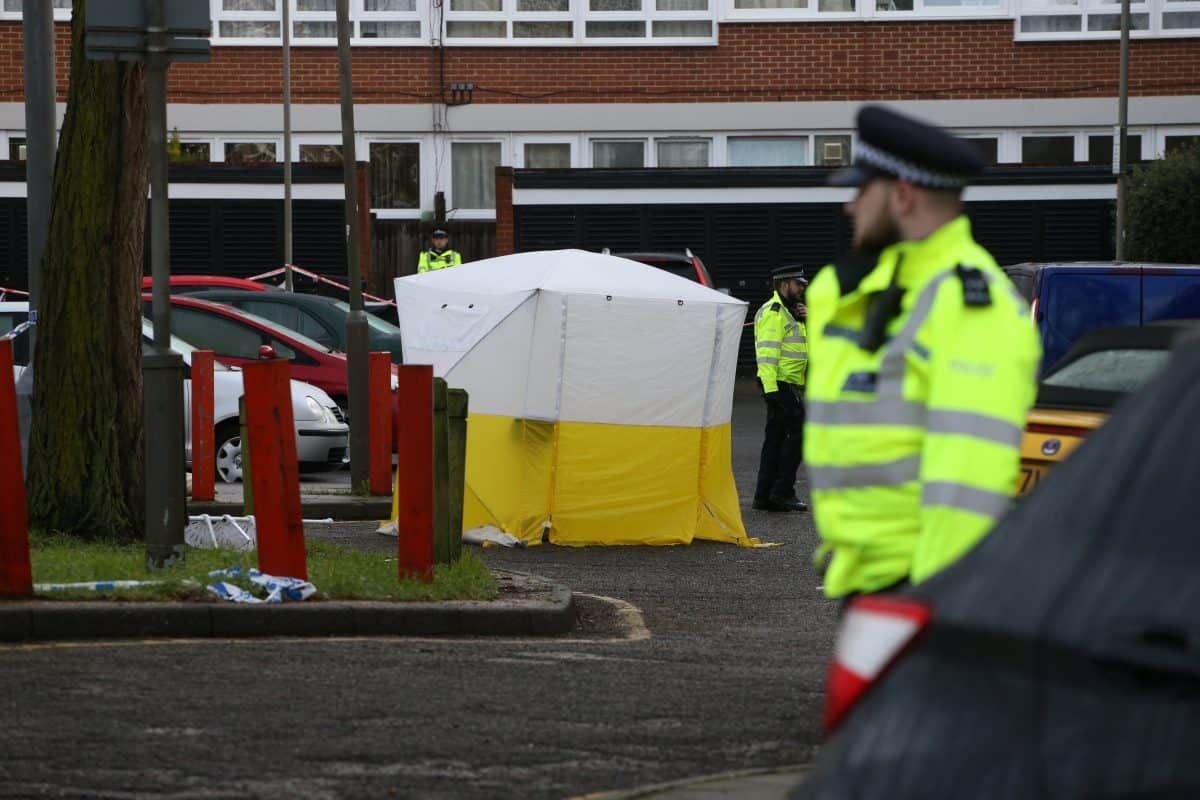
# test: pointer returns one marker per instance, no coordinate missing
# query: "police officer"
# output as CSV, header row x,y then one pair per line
x,y
440,256
923,368
781,351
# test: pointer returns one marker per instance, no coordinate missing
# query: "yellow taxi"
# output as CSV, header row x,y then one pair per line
x,y
1078,393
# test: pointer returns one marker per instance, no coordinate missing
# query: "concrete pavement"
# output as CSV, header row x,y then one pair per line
x,y
727,674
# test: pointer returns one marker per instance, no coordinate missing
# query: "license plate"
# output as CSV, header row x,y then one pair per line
x,y
1029,479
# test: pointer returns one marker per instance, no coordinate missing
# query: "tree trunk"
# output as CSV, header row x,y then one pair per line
x,y
86,454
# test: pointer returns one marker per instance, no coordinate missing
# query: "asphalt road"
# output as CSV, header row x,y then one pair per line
x,y
730,677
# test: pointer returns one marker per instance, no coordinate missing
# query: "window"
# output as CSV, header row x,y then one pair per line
x,y
1044,151
1094,19
315,21
17,6
1100,149
395,175
988,148
189,152
16,148
292,318
761,151
832,151
250,152
628,154
547,155
473,173
1175,143
222,335
320,154
682,152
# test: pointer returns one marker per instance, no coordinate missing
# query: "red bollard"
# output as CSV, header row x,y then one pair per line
x,y
16,574
274,475
414,484
204,466
380,429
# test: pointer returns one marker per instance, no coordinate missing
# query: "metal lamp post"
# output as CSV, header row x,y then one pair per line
x,y
356,321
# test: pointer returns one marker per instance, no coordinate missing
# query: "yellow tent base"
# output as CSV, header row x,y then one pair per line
x,y
584,484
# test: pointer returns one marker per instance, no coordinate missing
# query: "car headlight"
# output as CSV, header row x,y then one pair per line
x,y
318,412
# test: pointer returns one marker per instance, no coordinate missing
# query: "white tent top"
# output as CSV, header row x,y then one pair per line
x,y
568,272
576,336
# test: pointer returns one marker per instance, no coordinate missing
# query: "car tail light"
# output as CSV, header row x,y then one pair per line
x,y
875,631
1056,430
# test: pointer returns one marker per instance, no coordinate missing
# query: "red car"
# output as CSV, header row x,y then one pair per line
x,y
235,337
686,264
186,284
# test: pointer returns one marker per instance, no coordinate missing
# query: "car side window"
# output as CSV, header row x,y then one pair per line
x,y
291,317
223,336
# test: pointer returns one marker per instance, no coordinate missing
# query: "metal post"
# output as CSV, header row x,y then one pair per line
x,y
41,141
287,145
166,510
356,322
1122,130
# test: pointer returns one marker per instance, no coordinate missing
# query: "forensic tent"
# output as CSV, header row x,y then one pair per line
x,y
600,395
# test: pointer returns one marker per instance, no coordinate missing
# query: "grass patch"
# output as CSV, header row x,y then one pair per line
x,y
339,573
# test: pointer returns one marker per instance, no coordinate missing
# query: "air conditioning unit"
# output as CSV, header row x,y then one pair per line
x,y
832,154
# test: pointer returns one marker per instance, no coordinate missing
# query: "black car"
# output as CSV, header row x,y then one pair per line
x,y
1060,658
322,319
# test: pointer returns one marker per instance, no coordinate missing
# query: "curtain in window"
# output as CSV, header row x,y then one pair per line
x,y
395,175
618,155
473,167
761,152
683,154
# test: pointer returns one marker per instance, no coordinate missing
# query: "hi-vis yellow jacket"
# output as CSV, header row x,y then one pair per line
x,y
431,261
780,345
913,449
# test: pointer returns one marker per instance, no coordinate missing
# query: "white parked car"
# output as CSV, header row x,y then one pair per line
x,y
321,432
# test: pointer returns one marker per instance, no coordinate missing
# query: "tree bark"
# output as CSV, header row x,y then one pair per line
x,y
86,453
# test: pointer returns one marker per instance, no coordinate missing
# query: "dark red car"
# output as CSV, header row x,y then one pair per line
x,y
235,337
186,284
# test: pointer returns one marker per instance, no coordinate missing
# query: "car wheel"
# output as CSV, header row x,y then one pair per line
x,y
229,454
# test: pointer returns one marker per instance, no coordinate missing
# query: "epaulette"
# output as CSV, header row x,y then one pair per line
x,y
976,293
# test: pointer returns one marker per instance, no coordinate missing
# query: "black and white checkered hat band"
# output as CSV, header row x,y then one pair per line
x,y
907,171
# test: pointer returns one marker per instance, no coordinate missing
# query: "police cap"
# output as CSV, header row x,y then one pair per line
x,y
795,271
899,147
440,232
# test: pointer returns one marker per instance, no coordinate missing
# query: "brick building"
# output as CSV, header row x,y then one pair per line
x,y
447,90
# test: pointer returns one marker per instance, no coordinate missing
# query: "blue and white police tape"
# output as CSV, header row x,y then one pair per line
x,y
95,586
279,589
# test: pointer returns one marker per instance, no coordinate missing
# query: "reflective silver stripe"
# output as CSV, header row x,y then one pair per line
x,y
838,332
795,339
883,412
893,366
767,360
965,498
768,343
975,425
891,473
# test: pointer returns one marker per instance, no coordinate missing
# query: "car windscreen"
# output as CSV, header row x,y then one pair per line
x,y
1120,370
380,325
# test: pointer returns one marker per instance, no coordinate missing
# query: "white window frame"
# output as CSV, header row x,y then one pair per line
x,y
358,14
425,171
725,159
60,14
517,153
1160,138
317,139
245,138
1085,8
648,154
452,210
864,10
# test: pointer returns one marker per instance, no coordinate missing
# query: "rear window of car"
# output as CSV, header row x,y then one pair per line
x,y
1110,370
